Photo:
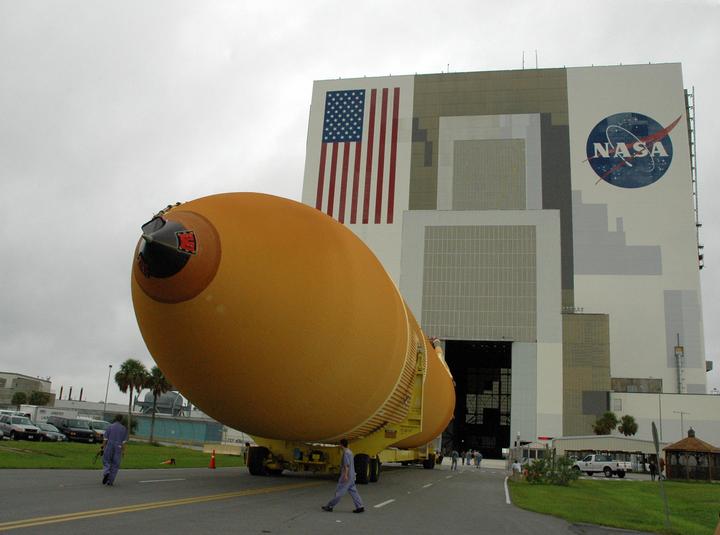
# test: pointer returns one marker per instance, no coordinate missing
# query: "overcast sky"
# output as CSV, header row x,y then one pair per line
x,y
111,110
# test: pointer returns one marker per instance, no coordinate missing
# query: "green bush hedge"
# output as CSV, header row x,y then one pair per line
x,y
552,470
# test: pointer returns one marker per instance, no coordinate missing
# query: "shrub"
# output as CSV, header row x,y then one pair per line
x,y
552,470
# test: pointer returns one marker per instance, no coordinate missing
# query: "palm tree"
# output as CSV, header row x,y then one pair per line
x,y
158,385
605,424
131,376
628,425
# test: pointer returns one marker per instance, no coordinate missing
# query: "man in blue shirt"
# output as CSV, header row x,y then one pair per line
x,y
346,483
113,446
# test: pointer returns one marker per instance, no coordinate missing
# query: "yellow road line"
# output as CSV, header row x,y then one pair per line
x,y
42,520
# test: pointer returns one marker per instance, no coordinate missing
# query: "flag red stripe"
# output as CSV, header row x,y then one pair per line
x,y
333,174
393,154
356,182
321,177
368,164
381,155
343,183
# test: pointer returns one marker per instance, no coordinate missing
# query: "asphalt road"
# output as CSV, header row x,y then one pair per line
x,y
406,500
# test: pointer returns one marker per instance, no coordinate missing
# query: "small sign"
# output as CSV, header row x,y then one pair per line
x,y
186,241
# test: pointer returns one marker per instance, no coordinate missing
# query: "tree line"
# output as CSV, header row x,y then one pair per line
x,y
609,421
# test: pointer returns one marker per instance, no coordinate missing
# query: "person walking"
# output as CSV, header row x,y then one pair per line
x,y
478,459
653,469
661,464
516,469
454,456
346,483
116,436
469,456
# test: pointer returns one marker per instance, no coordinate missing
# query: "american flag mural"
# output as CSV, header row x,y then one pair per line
x,y
358,155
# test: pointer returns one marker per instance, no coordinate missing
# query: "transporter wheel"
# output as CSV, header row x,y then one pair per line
x,y
429,463
374,470
362,468
256,460
607,471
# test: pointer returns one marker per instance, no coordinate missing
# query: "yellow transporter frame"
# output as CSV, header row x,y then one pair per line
x,y
272,456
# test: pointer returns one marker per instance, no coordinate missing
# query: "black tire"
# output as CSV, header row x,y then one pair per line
x,y
256,460
607,471
429,463
621,474
362,468
576,469
374,470
589,473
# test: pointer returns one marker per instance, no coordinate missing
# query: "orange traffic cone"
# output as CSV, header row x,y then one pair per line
x,y
169,461
212,460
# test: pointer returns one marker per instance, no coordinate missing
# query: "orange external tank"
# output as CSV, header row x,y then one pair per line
x,y
277,320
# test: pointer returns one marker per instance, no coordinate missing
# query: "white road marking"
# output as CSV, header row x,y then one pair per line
x,y
428,485
507,493
383,504
448,477
161,480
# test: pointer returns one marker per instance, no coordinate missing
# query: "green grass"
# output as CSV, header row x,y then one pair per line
x,y
638,505
27,454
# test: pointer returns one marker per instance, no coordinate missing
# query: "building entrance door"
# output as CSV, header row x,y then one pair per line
x,y
482,373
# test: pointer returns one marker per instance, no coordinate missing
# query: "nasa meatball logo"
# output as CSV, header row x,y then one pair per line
x,y
630,150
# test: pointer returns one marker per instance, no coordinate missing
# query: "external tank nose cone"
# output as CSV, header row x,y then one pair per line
x,y
165,248
177,255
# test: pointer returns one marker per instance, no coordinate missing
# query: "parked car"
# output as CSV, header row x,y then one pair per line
x,y
50,433
17,427
73,428
591,464
99,427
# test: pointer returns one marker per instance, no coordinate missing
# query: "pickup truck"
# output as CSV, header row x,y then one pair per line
x,y
591,464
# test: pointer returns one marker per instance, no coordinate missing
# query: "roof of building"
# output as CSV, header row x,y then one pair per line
x,y
14,374
692,443
617,443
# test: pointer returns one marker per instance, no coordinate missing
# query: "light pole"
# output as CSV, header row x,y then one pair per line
x,y
682,426
107,387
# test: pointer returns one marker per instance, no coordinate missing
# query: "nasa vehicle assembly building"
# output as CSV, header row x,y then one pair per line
x,y
543,224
